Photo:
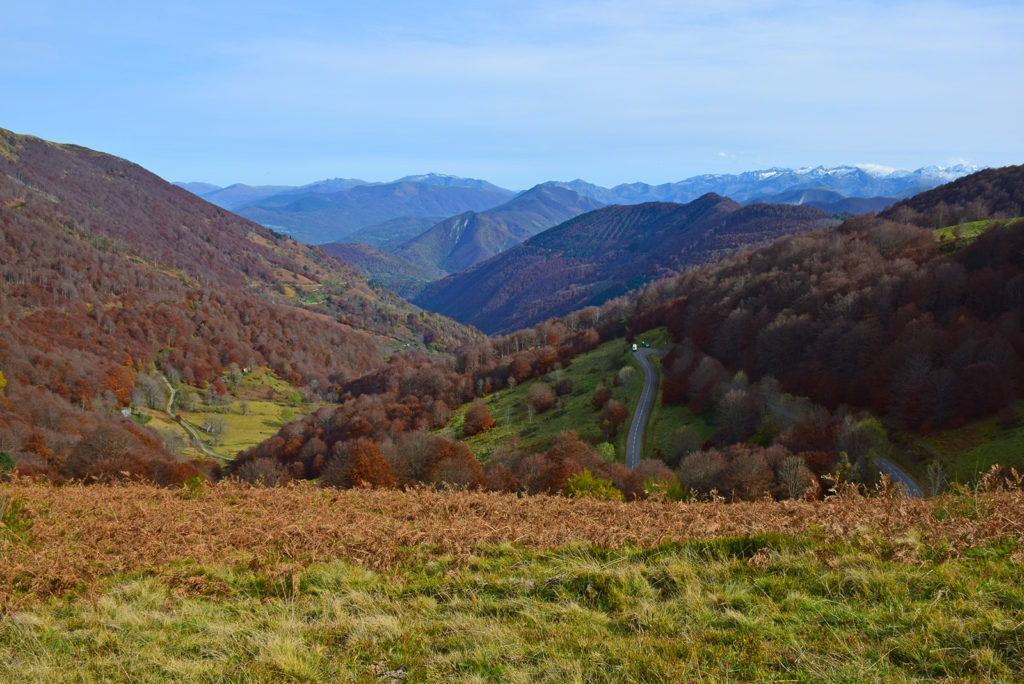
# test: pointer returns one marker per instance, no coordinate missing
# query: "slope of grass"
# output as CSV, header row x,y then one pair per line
x,y
954,238
969,451
263,403
514,425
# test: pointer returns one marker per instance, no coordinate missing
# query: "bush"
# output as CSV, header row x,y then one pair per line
x,y
478,419
541,397
585,484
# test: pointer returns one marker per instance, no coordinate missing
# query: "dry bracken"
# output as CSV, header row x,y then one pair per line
x,y
60,538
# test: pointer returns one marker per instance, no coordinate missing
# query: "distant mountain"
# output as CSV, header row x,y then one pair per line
x,y
324,187
236,196
393,232
399,275
198,188
828,200
605,253
461,241
332,217
848,181
856,205
446,181
990,193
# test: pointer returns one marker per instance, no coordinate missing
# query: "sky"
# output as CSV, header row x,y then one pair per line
x,y
516,92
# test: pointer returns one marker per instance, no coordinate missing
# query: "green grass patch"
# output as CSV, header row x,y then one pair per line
x,y
260,421
969,451
265,381
759,608
954,238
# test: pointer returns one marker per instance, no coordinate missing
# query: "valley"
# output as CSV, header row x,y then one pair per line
x,y
636,396
520,342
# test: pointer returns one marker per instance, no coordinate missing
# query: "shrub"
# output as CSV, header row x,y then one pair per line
x,y
585,484
541,397
478,419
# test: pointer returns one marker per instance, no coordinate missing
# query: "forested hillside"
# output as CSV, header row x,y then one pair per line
x,y
107,270
990,193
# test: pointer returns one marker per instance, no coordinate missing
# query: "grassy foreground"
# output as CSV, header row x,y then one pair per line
x,y
237,584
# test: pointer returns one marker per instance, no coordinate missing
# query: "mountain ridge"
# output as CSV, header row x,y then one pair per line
x,y
605,253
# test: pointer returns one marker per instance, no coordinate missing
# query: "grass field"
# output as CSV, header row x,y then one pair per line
x,y
509,407
230,583
262,404
262,420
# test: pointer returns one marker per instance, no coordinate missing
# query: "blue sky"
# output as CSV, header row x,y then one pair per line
x,y
516,92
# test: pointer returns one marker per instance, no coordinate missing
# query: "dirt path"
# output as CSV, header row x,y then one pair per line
x,y
196,438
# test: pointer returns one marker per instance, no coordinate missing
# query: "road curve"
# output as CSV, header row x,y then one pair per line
x,y
899,477
635,440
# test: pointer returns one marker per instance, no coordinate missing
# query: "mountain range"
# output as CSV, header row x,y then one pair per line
x,y
328,210
847,181
464,240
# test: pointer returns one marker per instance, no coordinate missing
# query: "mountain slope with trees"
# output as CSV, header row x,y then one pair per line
x,y
810,356
108,270
987,194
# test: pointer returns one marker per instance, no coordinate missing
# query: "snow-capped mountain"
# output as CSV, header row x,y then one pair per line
x,y
860,180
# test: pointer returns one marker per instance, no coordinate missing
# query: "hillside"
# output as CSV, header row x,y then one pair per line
x,y
226,581
393,232
397,274
987,194
316,217
462,241
822,352
107,270
605,253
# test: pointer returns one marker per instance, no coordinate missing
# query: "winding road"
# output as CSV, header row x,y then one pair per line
x,y
635,440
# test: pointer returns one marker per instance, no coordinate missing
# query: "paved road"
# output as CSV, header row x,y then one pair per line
x,y
897,475
635,440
